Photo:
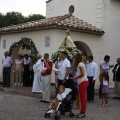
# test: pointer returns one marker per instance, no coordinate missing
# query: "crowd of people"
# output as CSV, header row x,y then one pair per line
x,y
22,68
83,75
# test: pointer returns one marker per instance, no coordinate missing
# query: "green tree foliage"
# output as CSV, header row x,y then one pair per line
x,y
13,18
1,19
34,17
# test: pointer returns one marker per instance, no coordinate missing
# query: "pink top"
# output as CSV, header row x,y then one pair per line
x,y
18,65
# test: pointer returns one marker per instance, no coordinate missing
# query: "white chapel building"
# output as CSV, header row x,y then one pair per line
x,y
94,27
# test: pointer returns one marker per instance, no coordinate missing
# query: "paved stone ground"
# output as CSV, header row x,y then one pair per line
x,y
14,106
25,91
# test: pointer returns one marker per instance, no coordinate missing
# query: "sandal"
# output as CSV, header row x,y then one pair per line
x,y
80,115
106,105
76,108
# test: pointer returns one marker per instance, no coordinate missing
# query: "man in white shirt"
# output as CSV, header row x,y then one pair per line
x,y
7,63
63,67
92,72
104,67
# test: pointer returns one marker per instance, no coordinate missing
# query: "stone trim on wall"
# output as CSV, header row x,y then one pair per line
x,y
99,13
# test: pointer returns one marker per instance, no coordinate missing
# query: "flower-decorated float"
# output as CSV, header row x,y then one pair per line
x,y
69,47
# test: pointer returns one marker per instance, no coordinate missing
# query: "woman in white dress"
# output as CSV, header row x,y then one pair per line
x,y
36,83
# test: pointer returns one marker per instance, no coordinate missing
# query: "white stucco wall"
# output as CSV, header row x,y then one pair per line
x,y
101,13
56,38
90,11
108,20
111,26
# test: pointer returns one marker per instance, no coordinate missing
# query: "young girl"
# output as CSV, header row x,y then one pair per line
x,y
74,72
60,97
105,88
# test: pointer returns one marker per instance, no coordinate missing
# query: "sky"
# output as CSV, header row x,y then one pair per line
x,y
25,7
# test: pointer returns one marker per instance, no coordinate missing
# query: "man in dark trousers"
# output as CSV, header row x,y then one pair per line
x,y
7,63
114,69
116,78
26,74
92,72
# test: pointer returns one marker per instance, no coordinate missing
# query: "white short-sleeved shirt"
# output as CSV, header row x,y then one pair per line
x,y
62,65
84,78
105,66
61,96
92,70
7,61
29,61
105,82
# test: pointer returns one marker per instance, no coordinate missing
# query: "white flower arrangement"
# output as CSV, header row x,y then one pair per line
x,y
70,53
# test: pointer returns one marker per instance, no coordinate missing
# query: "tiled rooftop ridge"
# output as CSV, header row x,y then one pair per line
x,y
60,22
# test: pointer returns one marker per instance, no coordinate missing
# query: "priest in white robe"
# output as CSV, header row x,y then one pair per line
x,y
36,68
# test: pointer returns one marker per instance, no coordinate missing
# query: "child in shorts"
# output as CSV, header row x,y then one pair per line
x,y
60,97
105,89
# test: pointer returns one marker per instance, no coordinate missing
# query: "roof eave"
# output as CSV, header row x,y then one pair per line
x,y
52,27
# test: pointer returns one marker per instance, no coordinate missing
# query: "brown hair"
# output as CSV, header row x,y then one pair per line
x,y
19,55
105,75
61,86
78,59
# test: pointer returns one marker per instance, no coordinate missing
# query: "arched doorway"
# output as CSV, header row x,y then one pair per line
x,y
23,43
83,47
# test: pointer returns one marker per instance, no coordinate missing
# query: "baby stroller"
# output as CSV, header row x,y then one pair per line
x,y
65,106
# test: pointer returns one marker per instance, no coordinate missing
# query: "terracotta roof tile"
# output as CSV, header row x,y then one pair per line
x,y
61,22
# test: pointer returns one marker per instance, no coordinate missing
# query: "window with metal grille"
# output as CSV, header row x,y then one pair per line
x,y
47,41
4,44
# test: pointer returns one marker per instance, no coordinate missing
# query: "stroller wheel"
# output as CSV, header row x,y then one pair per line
x,y
47,115
71,114
57,117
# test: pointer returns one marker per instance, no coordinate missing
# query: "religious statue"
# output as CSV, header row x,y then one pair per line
x,y
68,42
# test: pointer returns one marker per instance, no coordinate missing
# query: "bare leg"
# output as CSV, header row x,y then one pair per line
x,y
103,97
78,100
54,105
106,99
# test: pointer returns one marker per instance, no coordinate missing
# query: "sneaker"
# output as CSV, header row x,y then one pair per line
x,y
45,101
51,111
106,105
15,84
103,105
42,100
19,85
48,111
